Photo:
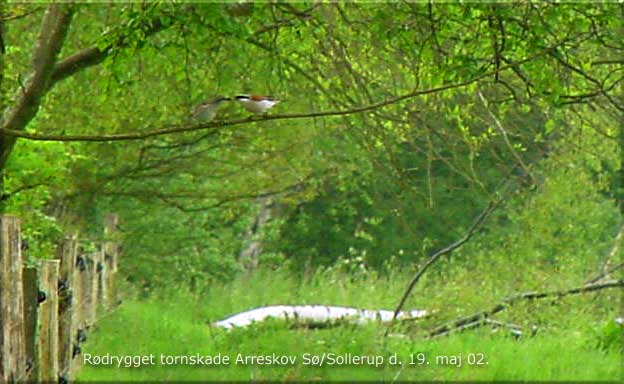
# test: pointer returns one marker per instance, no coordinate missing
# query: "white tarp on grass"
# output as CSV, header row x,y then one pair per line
x,y
314,314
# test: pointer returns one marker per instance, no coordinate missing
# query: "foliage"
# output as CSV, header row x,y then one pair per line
x,y
398,123
611,336
513,100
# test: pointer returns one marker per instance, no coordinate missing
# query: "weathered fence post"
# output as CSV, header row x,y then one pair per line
x,y
30,278
101,272
67,255
47,333
90,290
41,321
12,339
78,285
45,311
79,328
111,253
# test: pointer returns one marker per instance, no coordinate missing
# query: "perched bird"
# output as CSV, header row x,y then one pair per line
x,y
207,110
257,104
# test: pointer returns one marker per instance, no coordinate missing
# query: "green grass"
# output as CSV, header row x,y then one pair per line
x,y
566,346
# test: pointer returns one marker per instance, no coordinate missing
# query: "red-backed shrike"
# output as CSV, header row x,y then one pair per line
x,y
257,104
207,110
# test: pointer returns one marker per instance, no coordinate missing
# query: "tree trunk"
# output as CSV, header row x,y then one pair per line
x,y
2,98
252,239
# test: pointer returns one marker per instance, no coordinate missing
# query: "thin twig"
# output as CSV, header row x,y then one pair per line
x,y
606,268
606,273
505,137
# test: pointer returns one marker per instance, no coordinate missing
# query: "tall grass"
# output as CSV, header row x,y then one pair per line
x,y
177,323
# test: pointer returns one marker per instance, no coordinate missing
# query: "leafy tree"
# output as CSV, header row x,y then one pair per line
x,y
399,122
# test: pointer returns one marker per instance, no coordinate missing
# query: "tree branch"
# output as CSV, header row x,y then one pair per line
x,y
219,124
464,322
606,268
173,199
515,329
46,71
92,56
51,37
7,195
446,250
505,137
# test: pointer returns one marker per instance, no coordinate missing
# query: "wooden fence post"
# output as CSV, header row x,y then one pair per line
x,y
12,343
30,278
111,254
90,289
48,327
45,311
80,277
78,329
67,255
100,270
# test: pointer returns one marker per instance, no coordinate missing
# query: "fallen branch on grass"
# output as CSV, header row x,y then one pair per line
x,y
313,315
515,330
478,318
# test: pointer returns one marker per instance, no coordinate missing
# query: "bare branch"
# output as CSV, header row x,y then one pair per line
x,y
505,137
446,250
465,322
479,322
606,268
606,273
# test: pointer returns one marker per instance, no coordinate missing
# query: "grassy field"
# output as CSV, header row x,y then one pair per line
x,y
569,344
